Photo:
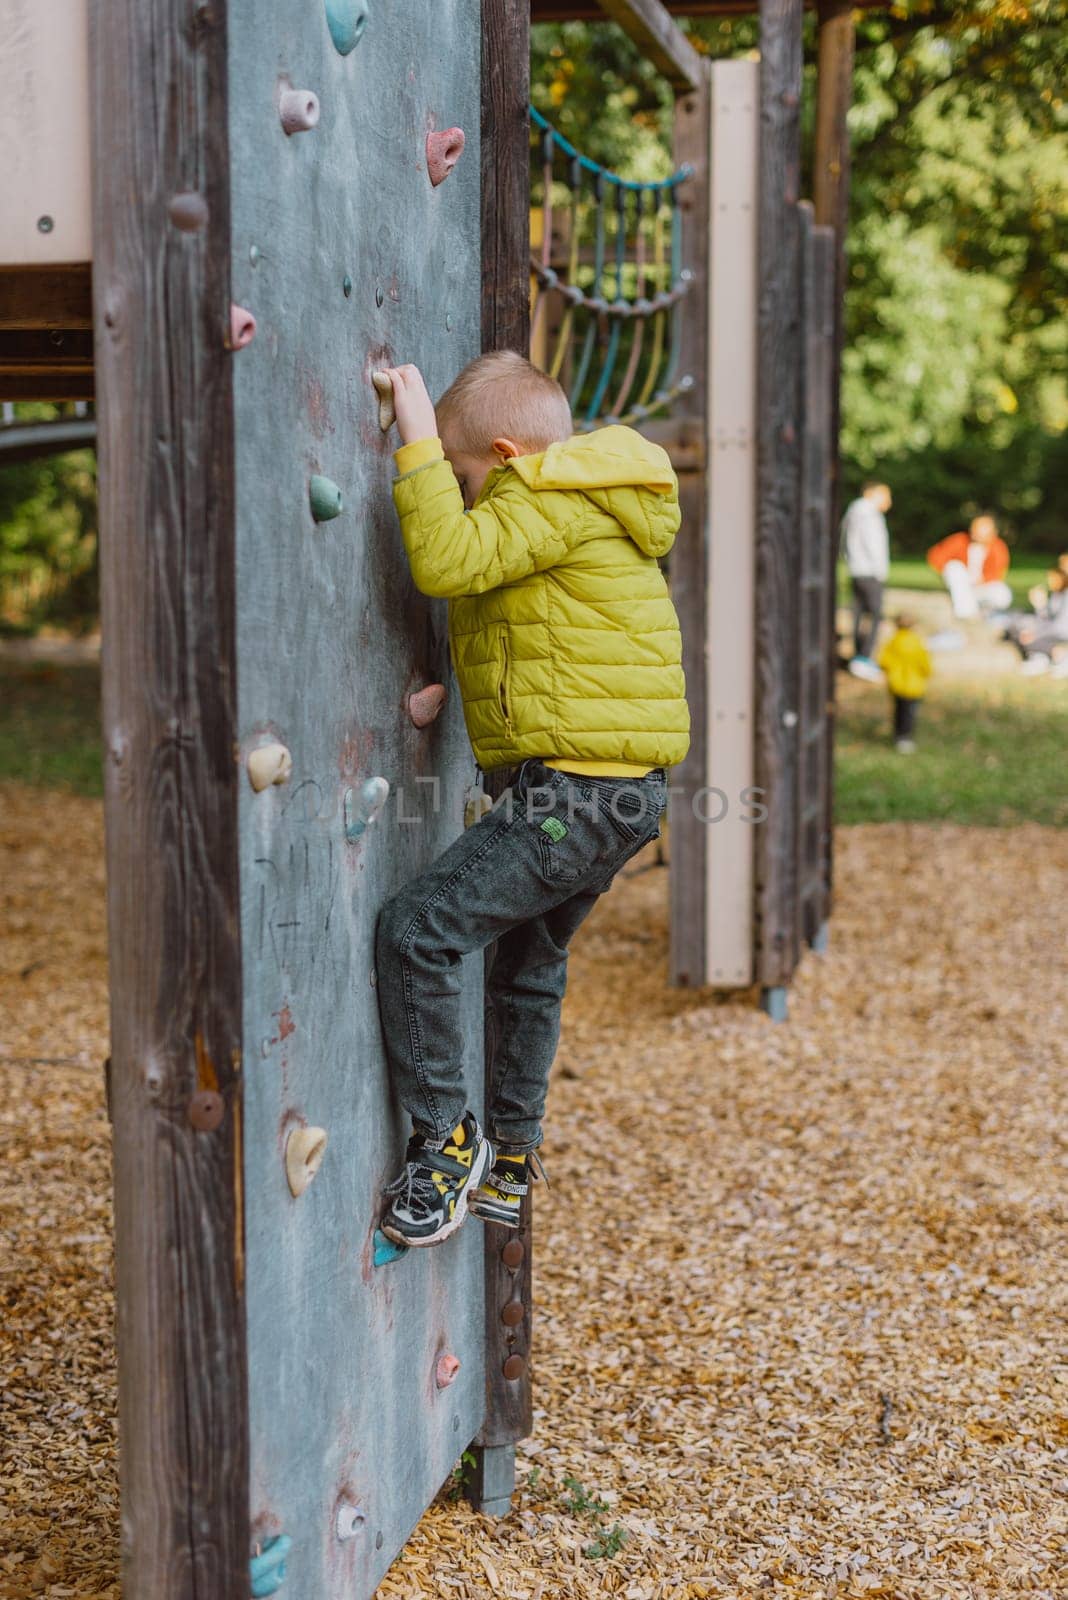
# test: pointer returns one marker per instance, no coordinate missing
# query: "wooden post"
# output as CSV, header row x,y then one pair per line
x,y
688,562
834,93
165,441
816,597
778,492
505,326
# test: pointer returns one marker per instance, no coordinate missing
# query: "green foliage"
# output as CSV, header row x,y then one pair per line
x,y
48,572
50,728
462,1475
581,1502
956,369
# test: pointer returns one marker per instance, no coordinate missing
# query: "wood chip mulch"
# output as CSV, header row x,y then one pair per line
x,y
802,1290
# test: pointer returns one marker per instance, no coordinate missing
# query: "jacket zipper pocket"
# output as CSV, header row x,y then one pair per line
x,y
502,686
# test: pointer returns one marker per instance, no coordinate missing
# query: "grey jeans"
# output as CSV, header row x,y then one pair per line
x,y
525,876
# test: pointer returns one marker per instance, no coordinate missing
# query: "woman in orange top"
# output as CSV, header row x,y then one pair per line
x,y
973,566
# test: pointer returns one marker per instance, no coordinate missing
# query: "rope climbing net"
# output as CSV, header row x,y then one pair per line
x,y
608,285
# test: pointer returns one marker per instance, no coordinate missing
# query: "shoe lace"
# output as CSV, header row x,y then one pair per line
x,y
417,1184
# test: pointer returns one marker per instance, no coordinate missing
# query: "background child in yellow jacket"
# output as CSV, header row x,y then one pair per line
x,y
567,651
907,665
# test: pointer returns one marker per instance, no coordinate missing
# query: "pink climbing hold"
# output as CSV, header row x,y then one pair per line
x,y
242,327
298,110
447,1368
425,704
443,151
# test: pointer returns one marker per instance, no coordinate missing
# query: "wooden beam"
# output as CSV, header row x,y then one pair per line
x,y
505,175
834,94
688,561
661,40
46,385
30,441
505,326
778,487
46,296
167,523
589,10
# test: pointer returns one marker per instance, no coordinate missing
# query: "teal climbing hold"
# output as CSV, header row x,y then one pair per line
x,y
387,1249
346,20
362,809
267,1571
325,497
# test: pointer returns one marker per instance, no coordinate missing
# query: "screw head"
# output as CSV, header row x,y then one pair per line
x,y
514,1367
206,1110
45,224
512,1254
513,1314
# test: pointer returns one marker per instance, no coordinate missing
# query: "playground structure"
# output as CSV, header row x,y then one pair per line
x,y
284,199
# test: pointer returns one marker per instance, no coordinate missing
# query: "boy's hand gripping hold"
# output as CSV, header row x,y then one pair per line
x,y
412,403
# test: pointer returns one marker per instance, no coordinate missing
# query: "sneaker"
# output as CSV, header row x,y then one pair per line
x,y
499,1198
1035,665
864,667
431,1193
905,747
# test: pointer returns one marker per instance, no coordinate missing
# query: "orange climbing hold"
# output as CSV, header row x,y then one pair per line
x,y
443,151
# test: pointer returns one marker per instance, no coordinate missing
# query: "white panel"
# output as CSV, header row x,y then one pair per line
x,y
732,518
44,132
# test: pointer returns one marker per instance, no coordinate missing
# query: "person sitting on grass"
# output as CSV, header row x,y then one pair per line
x,y
973,567
568,654
907,666
1042,636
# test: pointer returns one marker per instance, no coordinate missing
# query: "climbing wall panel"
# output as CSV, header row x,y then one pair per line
x,y
355,235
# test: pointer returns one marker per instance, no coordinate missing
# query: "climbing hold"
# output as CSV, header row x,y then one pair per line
x,y
350,1521
206,1110
425,704
255,254
443,151
325,498
346,20
242,327
514,1367
267,1570
513,1313
387,1249
267,764
188,211
346,286
387,411
477,803
361,810
298,110
445,1371
512,1254
304,1156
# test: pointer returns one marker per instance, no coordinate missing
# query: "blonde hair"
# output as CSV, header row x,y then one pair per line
x,y
502,395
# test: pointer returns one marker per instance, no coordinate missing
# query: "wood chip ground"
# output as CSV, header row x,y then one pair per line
x,y
801,1289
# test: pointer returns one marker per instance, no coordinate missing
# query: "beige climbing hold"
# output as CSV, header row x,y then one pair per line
x,y
269,763
447,1368
305,1148
387,411
424,705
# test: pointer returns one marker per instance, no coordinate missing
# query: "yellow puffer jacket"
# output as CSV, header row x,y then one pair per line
x,y
563,635
907,665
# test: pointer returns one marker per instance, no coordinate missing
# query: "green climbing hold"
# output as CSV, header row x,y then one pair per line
x,y
346,20
325,497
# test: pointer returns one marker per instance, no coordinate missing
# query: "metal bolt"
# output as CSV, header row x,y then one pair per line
x,y
188,211
513,1313
514,1367
512,1254
45,224
206,1110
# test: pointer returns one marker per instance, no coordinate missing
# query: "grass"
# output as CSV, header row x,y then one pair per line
x,y
50,727
992,753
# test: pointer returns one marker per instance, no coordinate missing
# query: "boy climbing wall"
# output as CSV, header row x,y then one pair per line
x,y
568,654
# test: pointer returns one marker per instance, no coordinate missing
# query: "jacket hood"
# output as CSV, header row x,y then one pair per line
x,y
623,473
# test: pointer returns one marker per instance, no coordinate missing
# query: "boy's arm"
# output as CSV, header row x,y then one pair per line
x,y
456,552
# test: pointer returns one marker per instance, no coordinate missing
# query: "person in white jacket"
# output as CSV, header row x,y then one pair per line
x,y
866,547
